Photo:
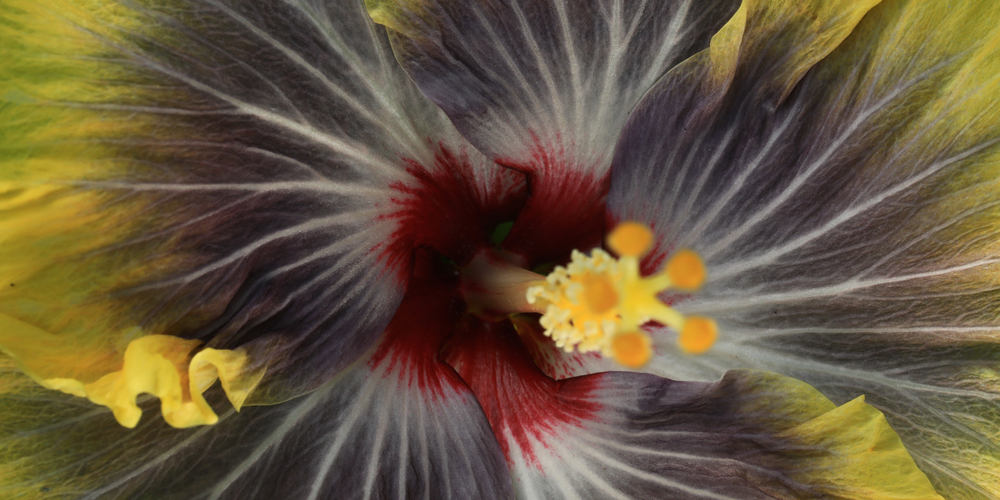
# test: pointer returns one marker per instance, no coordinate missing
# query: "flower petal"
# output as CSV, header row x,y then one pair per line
x,y
544,87
516,76
210,170
399,425
847,215
630,435
554,361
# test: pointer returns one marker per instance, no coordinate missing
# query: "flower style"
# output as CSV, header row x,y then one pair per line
x,y
337,209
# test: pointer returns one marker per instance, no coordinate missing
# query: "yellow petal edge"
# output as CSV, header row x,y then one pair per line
x,y
159,365
842,452
866,458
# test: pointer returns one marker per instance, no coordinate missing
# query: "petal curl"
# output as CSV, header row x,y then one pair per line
x,y
160,365
629,435
847,213
216,171
400,424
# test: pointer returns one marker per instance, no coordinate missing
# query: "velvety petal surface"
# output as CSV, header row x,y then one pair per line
x,y
545,87
399,424
240,174
842,189
629,435
561,76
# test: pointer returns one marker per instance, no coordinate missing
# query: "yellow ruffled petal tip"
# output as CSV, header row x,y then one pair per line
x,y
599,303
162,366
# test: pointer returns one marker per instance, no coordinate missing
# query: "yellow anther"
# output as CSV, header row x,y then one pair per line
x,y
630,239
599,303
632,349
599,293
686,270
698,335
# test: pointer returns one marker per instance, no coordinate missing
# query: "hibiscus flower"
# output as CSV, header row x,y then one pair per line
x,y
344,213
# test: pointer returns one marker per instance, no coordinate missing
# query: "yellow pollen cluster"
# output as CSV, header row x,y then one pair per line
x,y
598,303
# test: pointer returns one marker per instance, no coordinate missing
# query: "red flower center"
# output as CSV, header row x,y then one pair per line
x,y
446,220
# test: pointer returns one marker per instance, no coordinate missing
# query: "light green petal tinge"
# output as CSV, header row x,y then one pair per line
x,y
750,436
50,228
214,172
861,457
847,451
53,445
791,35
59,319
395,14
67,247
850,227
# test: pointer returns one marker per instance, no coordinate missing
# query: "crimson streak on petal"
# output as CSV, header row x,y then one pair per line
x,y
751,435
522,404
401,424
565,209
424,320
452,207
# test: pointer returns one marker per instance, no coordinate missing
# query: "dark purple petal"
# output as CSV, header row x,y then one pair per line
x,y
226,171
628,435
528,81
844,197
544,88
400,424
